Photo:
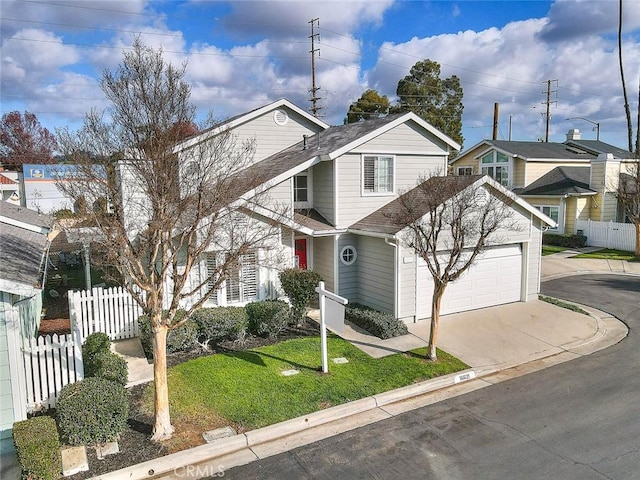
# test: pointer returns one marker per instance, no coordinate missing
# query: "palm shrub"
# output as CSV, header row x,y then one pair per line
x,y
300,286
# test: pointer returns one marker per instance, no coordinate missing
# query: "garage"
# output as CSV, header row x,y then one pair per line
x,y
494,279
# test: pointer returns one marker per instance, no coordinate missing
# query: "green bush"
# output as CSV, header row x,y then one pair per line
x,y
568,241
181,339
108,365
268,318
38,448
300,286
382,325
96,343
92,411
220,323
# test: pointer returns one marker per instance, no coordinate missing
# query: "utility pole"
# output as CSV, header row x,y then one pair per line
x,y
495,121
549,102
314,89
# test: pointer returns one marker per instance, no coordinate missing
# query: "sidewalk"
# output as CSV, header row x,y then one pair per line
x,y
561,265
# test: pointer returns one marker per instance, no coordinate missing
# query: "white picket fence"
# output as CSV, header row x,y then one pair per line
x,y
108,310
620,236
50,363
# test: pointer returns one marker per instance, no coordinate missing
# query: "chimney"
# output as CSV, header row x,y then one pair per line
x,y
304,141
573,134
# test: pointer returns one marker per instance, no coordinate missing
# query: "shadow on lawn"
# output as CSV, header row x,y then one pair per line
x,y
256,359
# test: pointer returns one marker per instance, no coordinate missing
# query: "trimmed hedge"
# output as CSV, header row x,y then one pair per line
x,y
268,318
569,241
382,325
97,342
300,286
221,323
92,411
38,448
108,365
181,339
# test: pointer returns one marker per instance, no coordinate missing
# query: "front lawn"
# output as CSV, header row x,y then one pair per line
x,y
551,249
609,254
247,389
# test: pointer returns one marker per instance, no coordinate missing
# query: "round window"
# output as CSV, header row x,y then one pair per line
x,y
348,255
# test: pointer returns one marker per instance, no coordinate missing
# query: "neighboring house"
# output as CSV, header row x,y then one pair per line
x,y
24,246
335,181
569,181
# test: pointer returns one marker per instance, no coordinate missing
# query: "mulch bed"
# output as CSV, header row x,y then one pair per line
x,y
135,444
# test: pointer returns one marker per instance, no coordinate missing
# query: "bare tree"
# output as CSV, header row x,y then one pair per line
x,y
171,212
628,195
627,110
449,221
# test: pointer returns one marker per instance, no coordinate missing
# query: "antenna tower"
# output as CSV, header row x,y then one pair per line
x,y
315,108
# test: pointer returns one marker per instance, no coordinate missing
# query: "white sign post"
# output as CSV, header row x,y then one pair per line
x,y
335,321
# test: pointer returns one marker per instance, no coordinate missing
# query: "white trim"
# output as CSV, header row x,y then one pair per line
x,y
24,225
309,202
524,270
280,117
336,210
246,118
365,193
355,255
385,128
336,264
464,166
14,352
17,288
396,276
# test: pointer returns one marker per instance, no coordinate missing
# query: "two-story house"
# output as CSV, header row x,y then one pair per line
x,y
569,181
338,184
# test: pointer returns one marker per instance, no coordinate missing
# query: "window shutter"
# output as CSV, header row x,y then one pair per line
x,y
212,262
369,174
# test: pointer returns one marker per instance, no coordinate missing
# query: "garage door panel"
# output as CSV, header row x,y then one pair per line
x,y
494,279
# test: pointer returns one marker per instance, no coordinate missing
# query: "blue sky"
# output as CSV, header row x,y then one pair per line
x,y
243,54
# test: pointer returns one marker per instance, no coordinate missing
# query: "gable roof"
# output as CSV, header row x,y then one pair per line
x,y
4,180
245,117
23,250
538,150
561,181
392,217
326,145
597,147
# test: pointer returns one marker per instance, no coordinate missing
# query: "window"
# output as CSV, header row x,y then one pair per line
x,y
301,187
496,165
465,170
242,282
377,174
552,212
348,255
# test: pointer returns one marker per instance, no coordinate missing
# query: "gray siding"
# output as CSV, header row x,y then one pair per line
x,y
270,137
376,273
352,205
323,190
279,198
6,398
404,138
348,274
323,260
408,264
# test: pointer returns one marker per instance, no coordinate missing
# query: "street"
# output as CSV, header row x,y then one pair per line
x,y
576,420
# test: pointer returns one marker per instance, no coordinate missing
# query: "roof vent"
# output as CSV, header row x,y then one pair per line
x,y
280,117
573,134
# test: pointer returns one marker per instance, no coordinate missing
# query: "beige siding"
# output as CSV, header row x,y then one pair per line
x,y
405,138
376,274
467,161
323,190
535,170
597,183
323,259
519,167
353,205
270,137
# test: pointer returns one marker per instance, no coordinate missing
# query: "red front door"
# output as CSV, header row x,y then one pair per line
x,y
301,252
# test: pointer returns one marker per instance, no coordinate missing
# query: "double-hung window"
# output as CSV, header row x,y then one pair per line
x,y
377,174
553,212
496,165
302,194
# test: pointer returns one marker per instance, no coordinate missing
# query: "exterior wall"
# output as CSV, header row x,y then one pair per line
x,y
279,198
552,202
533,261
577,208
323,189
352,205
270,137
604,180
405,138
519,173
407,272
323,260
348,274
535,170
466,161
6,397
376,273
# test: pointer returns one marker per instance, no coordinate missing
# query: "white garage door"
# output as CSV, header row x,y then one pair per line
x,y
494,279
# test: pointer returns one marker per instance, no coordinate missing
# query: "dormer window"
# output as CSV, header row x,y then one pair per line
x,y
496,165
302,190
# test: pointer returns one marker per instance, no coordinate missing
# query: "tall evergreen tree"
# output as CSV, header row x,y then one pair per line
x,y
370,105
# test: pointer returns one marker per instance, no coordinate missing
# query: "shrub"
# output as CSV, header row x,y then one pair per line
x,y
92,411
568,241
300,286
268,318
63,214
382,325
38,448
181,339
94,344
220,323
107,365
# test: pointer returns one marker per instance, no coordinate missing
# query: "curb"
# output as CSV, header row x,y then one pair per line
x,y
587,272
398,400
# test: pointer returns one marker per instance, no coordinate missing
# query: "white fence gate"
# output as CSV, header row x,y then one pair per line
x,y
50,363
620,236
108,310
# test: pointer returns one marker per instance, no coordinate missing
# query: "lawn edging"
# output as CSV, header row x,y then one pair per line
x,y
228,445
